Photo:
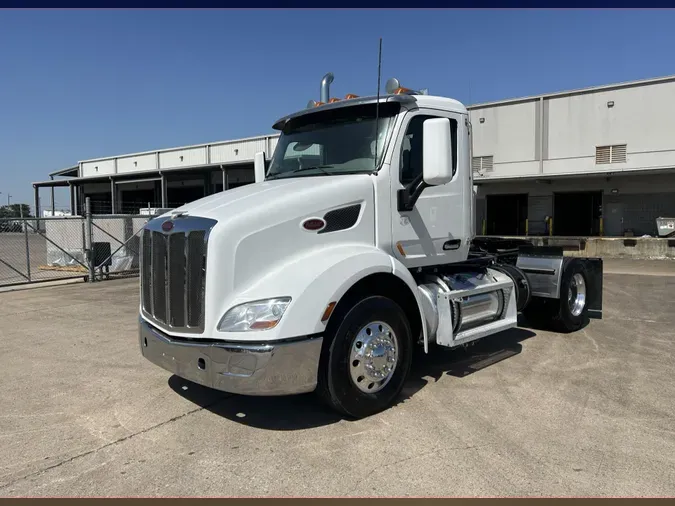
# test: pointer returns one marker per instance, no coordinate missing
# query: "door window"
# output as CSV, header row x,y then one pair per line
x,y
412,148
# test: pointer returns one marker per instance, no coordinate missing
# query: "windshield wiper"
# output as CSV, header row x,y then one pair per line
x,y
321,168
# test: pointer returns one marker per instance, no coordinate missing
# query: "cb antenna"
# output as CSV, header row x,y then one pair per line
x,y
377,104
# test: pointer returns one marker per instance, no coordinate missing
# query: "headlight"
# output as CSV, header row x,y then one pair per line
x,y
257,315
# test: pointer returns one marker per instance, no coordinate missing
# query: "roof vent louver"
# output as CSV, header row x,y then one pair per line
x,y
610,154
482,164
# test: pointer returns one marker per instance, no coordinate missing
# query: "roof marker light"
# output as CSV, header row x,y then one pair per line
x,y
313,103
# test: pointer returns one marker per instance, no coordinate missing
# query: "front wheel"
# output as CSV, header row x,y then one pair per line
x,y
366,357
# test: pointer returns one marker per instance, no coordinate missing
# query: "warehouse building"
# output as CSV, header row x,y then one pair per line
x,y
592,162
165,178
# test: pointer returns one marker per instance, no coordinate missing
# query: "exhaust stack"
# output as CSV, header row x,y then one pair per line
x,y
325,87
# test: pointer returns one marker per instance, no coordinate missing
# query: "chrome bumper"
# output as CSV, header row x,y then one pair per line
x,y
280,368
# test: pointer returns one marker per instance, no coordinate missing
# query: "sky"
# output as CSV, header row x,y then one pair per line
x,y
80,84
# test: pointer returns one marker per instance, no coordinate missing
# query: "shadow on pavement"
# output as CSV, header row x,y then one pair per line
x,y
293,412
462,362
306,411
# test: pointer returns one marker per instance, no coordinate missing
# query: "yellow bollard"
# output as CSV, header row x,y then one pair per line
x,y
527,227
602,227
483,228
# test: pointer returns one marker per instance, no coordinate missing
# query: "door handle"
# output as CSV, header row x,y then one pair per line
x,y
452,244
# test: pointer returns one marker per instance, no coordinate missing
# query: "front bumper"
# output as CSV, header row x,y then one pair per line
x,y
277,368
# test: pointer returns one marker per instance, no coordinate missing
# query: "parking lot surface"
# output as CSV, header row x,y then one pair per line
x,y
526,412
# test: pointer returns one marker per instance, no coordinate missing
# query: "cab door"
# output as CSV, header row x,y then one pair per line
x,y
436,231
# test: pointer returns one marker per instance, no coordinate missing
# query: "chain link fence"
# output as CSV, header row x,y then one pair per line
x,y
92,247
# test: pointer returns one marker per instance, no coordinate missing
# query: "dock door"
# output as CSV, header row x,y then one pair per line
x,y
577,213
506,214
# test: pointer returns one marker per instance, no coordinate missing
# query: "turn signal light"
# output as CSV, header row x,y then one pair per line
x,y
328,311
263,325
334,99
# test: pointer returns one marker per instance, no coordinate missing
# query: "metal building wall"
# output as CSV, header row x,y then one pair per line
x,y
235,152
630,202
559,134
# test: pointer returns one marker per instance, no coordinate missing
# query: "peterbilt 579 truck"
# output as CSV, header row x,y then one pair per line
x,y
354,246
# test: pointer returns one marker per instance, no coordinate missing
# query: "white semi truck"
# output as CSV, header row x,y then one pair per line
x,y
354,246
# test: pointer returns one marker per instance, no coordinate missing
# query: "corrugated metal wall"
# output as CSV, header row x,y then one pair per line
x,y
235,152
538,208
637,212
98,168
135,163
190,157
222,153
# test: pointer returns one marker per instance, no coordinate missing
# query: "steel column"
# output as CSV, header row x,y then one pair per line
x,y
226,179
36,190
53,204
72,199
25,236
164,192
113,196
541,135
89,241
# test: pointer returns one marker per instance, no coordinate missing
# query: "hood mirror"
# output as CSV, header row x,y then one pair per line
x,y
259,166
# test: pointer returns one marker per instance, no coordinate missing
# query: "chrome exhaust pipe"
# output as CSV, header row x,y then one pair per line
x,y
325,87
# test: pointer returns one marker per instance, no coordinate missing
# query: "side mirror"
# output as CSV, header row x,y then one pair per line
x,y
437,152
259,166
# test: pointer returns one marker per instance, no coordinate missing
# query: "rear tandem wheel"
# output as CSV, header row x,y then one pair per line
x,y
568,313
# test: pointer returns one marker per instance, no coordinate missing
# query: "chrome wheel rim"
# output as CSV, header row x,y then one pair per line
x,y
576,295
373,357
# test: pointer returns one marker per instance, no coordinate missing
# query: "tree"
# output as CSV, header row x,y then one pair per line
x,y
14,211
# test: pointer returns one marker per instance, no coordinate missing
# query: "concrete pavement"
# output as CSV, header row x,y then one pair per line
x,y
524,413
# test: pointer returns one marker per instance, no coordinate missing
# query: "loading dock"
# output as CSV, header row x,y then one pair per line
x,y
577,213
506,214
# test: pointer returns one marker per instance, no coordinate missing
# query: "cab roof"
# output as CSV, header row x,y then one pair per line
x,y
406,101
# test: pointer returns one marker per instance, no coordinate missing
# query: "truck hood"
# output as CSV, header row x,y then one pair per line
x,y
297,195
258,229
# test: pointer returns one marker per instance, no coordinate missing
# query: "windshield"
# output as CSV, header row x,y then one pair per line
x,y
341,141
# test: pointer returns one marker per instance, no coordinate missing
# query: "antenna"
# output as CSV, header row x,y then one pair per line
x,y
377,104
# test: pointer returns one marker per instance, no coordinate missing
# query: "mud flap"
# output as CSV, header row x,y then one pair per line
x,y
594,274
544,266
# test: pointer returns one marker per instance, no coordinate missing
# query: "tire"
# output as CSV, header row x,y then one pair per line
x,y
338,374
557,314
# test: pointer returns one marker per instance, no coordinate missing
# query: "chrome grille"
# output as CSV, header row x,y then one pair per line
x,y
195,282
173,273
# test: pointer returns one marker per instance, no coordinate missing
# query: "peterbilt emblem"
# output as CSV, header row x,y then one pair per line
x,y
167,226
313,224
